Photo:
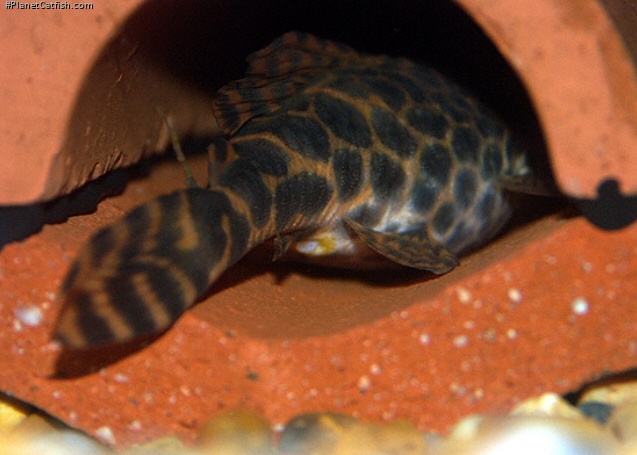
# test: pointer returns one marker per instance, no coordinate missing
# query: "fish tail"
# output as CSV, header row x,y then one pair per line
x,y
137,276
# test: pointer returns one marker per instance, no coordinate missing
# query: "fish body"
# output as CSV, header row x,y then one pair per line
x,y
331,152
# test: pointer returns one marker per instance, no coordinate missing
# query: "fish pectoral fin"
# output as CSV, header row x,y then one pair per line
x,y
283,242
413,249
528,184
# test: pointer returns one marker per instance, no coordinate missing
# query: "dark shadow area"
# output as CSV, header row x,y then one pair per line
x,y
204,43
74,363
259,262
611,210
19,222
624,15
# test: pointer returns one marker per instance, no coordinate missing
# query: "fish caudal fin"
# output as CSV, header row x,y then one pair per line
x,y
139,275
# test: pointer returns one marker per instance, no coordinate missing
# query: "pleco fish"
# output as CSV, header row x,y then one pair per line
x,y
324,147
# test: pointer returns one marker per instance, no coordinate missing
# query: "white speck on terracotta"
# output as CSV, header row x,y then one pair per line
x,y
120,378
404,314
106,434
72,416
135,425
56,394
457,389
375,369
551,260
313,392
17,326
469,325
387,353
424,339
514,294
587,266
489,335
364,383
512,334
172,399
148,397
461,341
579,306
29,315
336,361
463,294
52,346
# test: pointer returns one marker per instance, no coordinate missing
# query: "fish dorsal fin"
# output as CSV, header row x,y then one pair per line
x,y
298,51
287,66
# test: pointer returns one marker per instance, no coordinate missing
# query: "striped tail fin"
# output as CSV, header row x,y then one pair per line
x,y
139,275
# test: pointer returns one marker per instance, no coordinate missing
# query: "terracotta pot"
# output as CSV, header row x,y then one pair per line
x,y
545,307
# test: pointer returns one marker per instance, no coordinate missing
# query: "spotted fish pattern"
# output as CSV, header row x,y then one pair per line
x,y
328,151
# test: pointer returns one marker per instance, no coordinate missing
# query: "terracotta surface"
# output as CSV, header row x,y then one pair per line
x,y
82,103
581,74
85,102
281,340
